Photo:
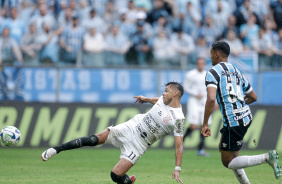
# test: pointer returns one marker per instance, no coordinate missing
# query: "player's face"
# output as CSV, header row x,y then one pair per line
x,y
167,95
213,57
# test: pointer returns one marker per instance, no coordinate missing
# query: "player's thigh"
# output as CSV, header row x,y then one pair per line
x,y
122,167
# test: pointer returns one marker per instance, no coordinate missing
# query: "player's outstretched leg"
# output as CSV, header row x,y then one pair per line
x,y
48,154
91,140
273,161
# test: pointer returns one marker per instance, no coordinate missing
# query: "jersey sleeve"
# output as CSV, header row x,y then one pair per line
x,y
247,88
211,80
179,129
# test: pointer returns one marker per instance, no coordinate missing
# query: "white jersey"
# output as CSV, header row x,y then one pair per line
x,y
194,84
160,121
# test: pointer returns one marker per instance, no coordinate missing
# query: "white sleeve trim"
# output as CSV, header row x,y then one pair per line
x,y
247,92
211,85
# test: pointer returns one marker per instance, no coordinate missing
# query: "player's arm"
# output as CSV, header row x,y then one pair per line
x,y
210,102
178,157
250,97
142,99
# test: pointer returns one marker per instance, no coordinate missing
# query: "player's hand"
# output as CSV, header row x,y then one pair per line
x,y
176,176
206,132
140,99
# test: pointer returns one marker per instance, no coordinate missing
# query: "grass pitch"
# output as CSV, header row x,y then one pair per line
x,y
93,165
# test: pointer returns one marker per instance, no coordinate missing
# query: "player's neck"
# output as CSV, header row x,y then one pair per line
x,y
174,104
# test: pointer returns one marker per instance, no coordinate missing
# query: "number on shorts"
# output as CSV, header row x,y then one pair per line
x,y
132,155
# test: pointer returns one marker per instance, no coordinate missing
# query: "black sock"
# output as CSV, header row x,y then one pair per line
x,y
91,140
121,179
188,132
202,142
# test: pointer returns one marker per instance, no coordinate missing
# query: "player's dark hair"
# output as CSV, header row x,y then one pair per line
x,y
222,47
176,85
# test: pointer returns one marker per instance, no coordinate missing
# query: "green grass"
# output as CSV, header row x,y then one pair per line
x,y
93,165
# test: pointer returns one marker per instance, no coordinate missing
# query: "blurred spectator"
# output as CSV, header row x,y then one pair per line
x,y
84,9
276,13
117,44
143,5
249,31
230,26
263,46
277,50
228,6
49,39
125,26
202,50
43,16
244,13
94,45
162,51
99,6
15,25
236,45
192,18
10,52
260,8
31,46
160,25
95,21
147,28
183,44
140,42
220,16
71,41
157,11
70,6
209,31
26,10
110,15
65,20
270,30
132,12
186,25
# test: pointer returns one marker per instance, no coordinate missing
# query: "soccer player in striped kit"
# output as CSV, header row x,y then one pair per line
x,y
234,93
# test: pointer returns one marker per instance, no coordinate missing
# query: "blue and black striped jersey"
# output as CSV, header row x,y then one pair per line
x,y
231,86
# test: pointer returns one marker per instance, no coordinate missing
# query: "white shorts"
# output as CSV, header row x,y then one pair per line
x,y
196,114
122,136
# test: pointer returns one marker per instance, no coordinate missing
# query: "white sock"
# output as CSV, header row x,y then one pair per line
x,y
241,176
248,161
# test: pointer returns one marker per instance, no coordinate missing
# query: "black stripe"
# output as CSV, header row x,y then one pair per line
x,y
210,82
215,75
249,86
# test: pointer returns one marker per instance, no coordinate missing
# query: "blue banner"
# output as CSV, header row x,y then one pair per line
x,y
106,85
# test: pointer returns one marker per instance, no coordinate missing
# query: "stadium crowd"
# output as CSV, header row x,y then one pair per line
x,y
167,33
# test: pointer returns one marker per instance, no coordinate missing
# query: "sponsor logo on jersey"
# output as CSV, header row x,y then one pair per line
x,y
143,134
236,118
167,119
160,113
147,120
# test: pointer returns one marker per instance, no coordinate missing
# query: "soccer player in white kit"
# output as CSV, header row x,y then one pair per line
x,y
135,136
194,85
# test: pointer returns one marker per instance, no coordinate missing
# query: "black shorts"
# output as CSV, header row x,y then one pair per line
x,y
232,137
